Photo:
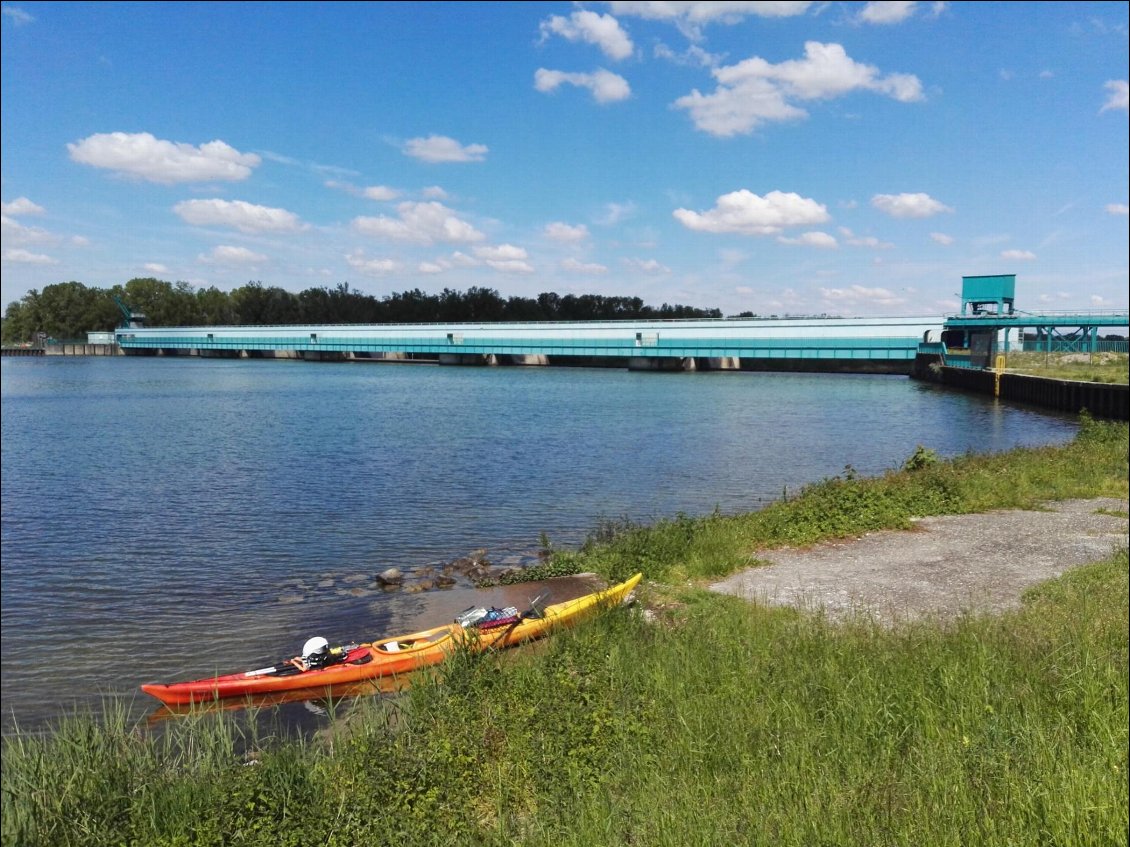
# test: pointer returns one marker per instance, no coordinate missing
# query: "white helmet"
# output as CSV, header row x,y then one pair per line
x,y
317,644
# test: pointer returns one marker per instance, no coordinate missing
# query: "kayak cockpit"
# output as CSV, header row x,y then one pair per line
x,y
417,641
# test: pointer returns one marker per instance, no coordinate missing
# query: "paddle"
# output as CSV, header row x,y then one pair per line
x,y
534,611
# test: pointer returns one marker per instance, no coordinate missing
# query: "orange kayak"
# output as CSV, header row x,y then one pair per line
x,y
390,656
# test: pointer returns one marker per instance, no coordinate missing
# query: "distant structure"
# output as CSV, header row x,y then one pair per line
x,y
988,325
979,293
130,318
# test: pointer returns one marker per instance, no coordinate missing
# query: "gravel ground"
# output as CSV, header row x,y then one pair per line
x,y
942,567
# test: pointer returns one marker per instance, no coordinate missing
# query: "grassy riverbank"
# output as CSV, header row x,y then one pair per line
x,y
1081,367
716,722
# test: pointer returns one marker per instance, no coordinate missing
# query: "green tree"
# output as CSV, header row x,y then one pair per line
x,y
215,307
256,305
162,303
19,321
64,310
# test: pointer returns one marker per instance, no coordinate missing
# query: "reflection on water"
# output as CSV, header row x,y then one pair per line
x,y
169,518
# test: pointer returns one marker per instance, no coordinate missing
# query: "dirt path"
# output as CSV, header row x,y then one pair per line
x,y
942,567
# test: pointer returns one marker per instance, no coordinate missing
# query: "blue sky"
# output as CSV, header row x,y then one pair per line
x,y
774,157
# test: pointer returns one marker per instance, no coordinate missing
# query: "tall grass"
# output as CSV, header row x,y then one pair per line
x,y
1080,367
708,720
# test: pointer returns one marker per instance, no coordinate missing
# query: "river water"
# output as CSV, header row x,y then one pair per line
x,y
166,518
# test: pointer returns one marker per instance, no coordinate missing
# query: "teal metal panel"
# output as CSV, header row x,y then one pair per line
x,y
884,349
877,339
988,288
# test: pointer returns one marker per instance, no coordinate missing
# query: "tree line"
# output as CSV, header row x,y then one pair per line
x,y
69,310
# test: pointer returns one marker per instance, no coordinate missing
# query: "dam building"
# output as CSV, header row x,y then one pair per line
x,y
988,325
876,345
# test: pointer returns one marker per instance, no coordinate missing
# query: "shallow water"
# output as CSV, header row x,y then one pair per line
x,y
164,518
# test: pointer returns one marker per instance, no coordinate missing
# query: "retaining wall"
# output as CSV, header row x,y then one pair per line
x,y
1102,400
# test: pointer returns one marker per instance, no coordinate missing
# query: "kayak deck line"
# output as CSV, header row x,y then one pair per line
x,y
389,657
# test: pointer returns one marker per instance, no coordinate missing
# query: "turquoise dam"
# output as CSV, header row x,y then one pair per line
x,y
872,345
988,325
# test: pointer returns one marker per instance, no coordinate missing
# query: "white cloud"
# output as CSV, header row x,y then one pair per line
x,y
746,213
434,192
21,206
731,258
1117,209
822,240
602,30
225,254
504,257
563,232
854,240
648,266
446,263
16,15
23,257
908,205
1119,96
14,232
887,11
941,238
689,16
168,162
859,294
500,253
614,213
895,11
1018,255
371,267
380,192
606,87
694,56
587,268
237,214
423,223
440,148
754,91
155,268
514,266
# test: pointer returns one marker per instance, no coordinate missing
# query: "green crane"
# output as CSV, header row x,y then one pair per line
x,y
131,319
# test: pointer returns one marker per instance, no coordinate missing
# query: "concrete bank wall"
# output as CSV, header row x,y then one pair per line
x,y
1101,400
80,349
21,351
